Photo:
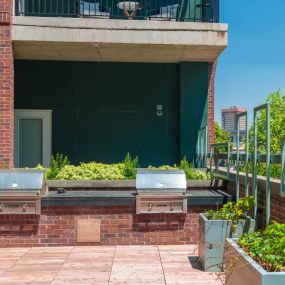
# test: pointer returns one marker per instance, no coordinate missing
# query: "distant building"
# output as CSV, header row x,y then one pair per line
x,y
229,121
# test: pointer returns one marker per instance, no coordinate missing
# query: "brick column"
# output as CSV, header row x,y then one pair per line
x,y
211,101
6,86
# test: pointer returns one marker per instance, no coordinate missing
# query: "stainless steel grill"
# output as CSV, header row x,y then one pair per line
x,y
21,191
161,191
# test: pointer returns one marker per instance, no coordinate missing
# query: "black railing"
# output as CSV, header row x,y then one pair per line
x,y
168,10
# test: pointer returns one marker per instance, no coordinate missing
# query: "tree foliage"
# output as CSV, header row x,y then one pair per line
x,y
221,136
276,101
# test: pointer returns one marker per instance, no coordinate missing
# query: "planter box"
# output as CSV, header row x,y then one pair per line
x,y
242,269
212,237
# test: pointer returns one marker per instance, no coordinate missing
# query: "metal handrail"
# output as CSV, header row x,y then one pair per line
x,y
228,156
167,10
255,158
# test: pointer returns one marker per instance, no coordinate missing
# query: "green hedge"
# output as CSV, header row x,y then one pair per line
x,y
62,170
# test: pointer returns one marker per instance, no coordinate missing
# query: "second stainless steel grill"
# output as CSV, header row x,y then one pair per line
x,y
161,191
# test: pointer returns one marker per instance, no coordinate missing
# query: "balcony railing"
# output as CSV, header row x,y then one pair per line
x,y
167,10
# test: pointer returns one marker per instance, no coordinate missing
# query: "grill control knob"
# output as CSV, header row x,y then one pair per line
x,y
171,207
149,206
1,208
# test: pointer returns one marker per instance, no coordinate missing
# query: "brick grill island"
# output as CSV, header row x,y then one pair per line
x,y
113,212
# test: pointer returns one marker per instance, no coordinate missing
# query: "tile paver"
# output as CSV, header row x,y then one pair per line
x,y
103,265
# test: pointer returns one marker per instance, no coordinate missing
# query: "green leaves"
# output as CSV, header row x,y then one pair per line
x,y
267,247
130,166
232,211
58,162
190,172
277,131
92,171
220,136
100,171
62,170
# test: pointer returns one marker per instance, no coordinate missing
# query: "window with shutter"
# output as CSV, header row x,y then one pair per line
x,y
32,138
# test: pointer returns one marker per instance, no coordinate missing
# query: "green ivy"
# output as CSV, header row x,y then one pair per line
x,y
267,247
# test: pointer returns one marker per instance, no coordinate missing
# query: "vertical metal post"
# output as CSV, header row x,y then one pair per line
x,y
206,147
255,186
211,157
198,150
237,160
283,165
229,157
202,147
246,156
244,114
267,164
254,165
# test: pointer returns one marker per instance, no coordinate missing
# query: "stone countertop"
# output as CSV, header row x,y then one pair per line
x,y
126,198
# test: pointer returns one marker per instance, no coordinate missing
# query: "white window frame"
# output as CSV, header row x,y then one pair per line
x,y
46,116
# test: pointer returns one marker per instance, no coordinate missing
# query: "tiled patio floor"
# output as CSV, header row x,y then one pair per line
x,y
103,265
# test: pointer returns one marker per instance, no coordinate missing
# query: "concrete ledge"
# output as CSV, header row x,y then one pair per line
x,y
124,184
105,24
275,184
126,198
116,40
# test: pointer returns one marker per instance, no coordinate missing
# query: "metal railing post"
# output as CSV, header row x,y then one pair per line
x,y
254,177
239,116
202,147
283,165
228,154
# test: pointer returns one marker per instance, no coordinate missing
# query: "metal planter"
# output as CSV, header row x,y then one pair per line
x,y
212,237
242,269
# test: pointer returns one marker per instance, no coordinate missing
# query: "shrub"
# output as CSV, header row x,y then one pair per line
x,y
190,172
163,167
267,247
232,211
58,162
130,166
92,171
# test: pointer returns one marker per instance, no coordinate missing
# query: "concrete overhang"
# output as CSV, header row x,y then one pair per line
x,y
79,39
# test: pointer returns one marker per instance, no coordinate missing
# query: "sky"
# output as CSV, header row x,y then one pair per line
x,y
253,64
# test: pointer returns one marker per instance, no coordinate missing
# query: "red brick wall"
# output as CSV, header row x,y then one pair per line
x,y
211,101
119,226
6,86
277,205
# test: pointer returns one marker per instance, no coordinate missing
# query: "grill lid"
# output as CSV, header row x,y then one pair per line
x,y
21,180
160,179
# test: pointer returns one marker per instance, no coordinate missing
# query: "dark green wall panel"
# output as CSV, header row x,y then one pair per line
x,y
193,105
103,110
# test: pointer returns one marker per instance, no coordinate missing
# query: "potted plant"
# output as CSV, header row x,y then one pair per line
x,y
215,226
257,258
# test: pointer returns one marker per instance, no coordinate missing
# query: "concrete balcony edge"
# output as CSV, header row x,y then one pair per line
x,y
116,40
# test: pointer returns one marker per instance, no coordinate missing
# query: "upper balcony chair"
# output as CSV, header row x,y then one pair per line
x,y
89,9
166,13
